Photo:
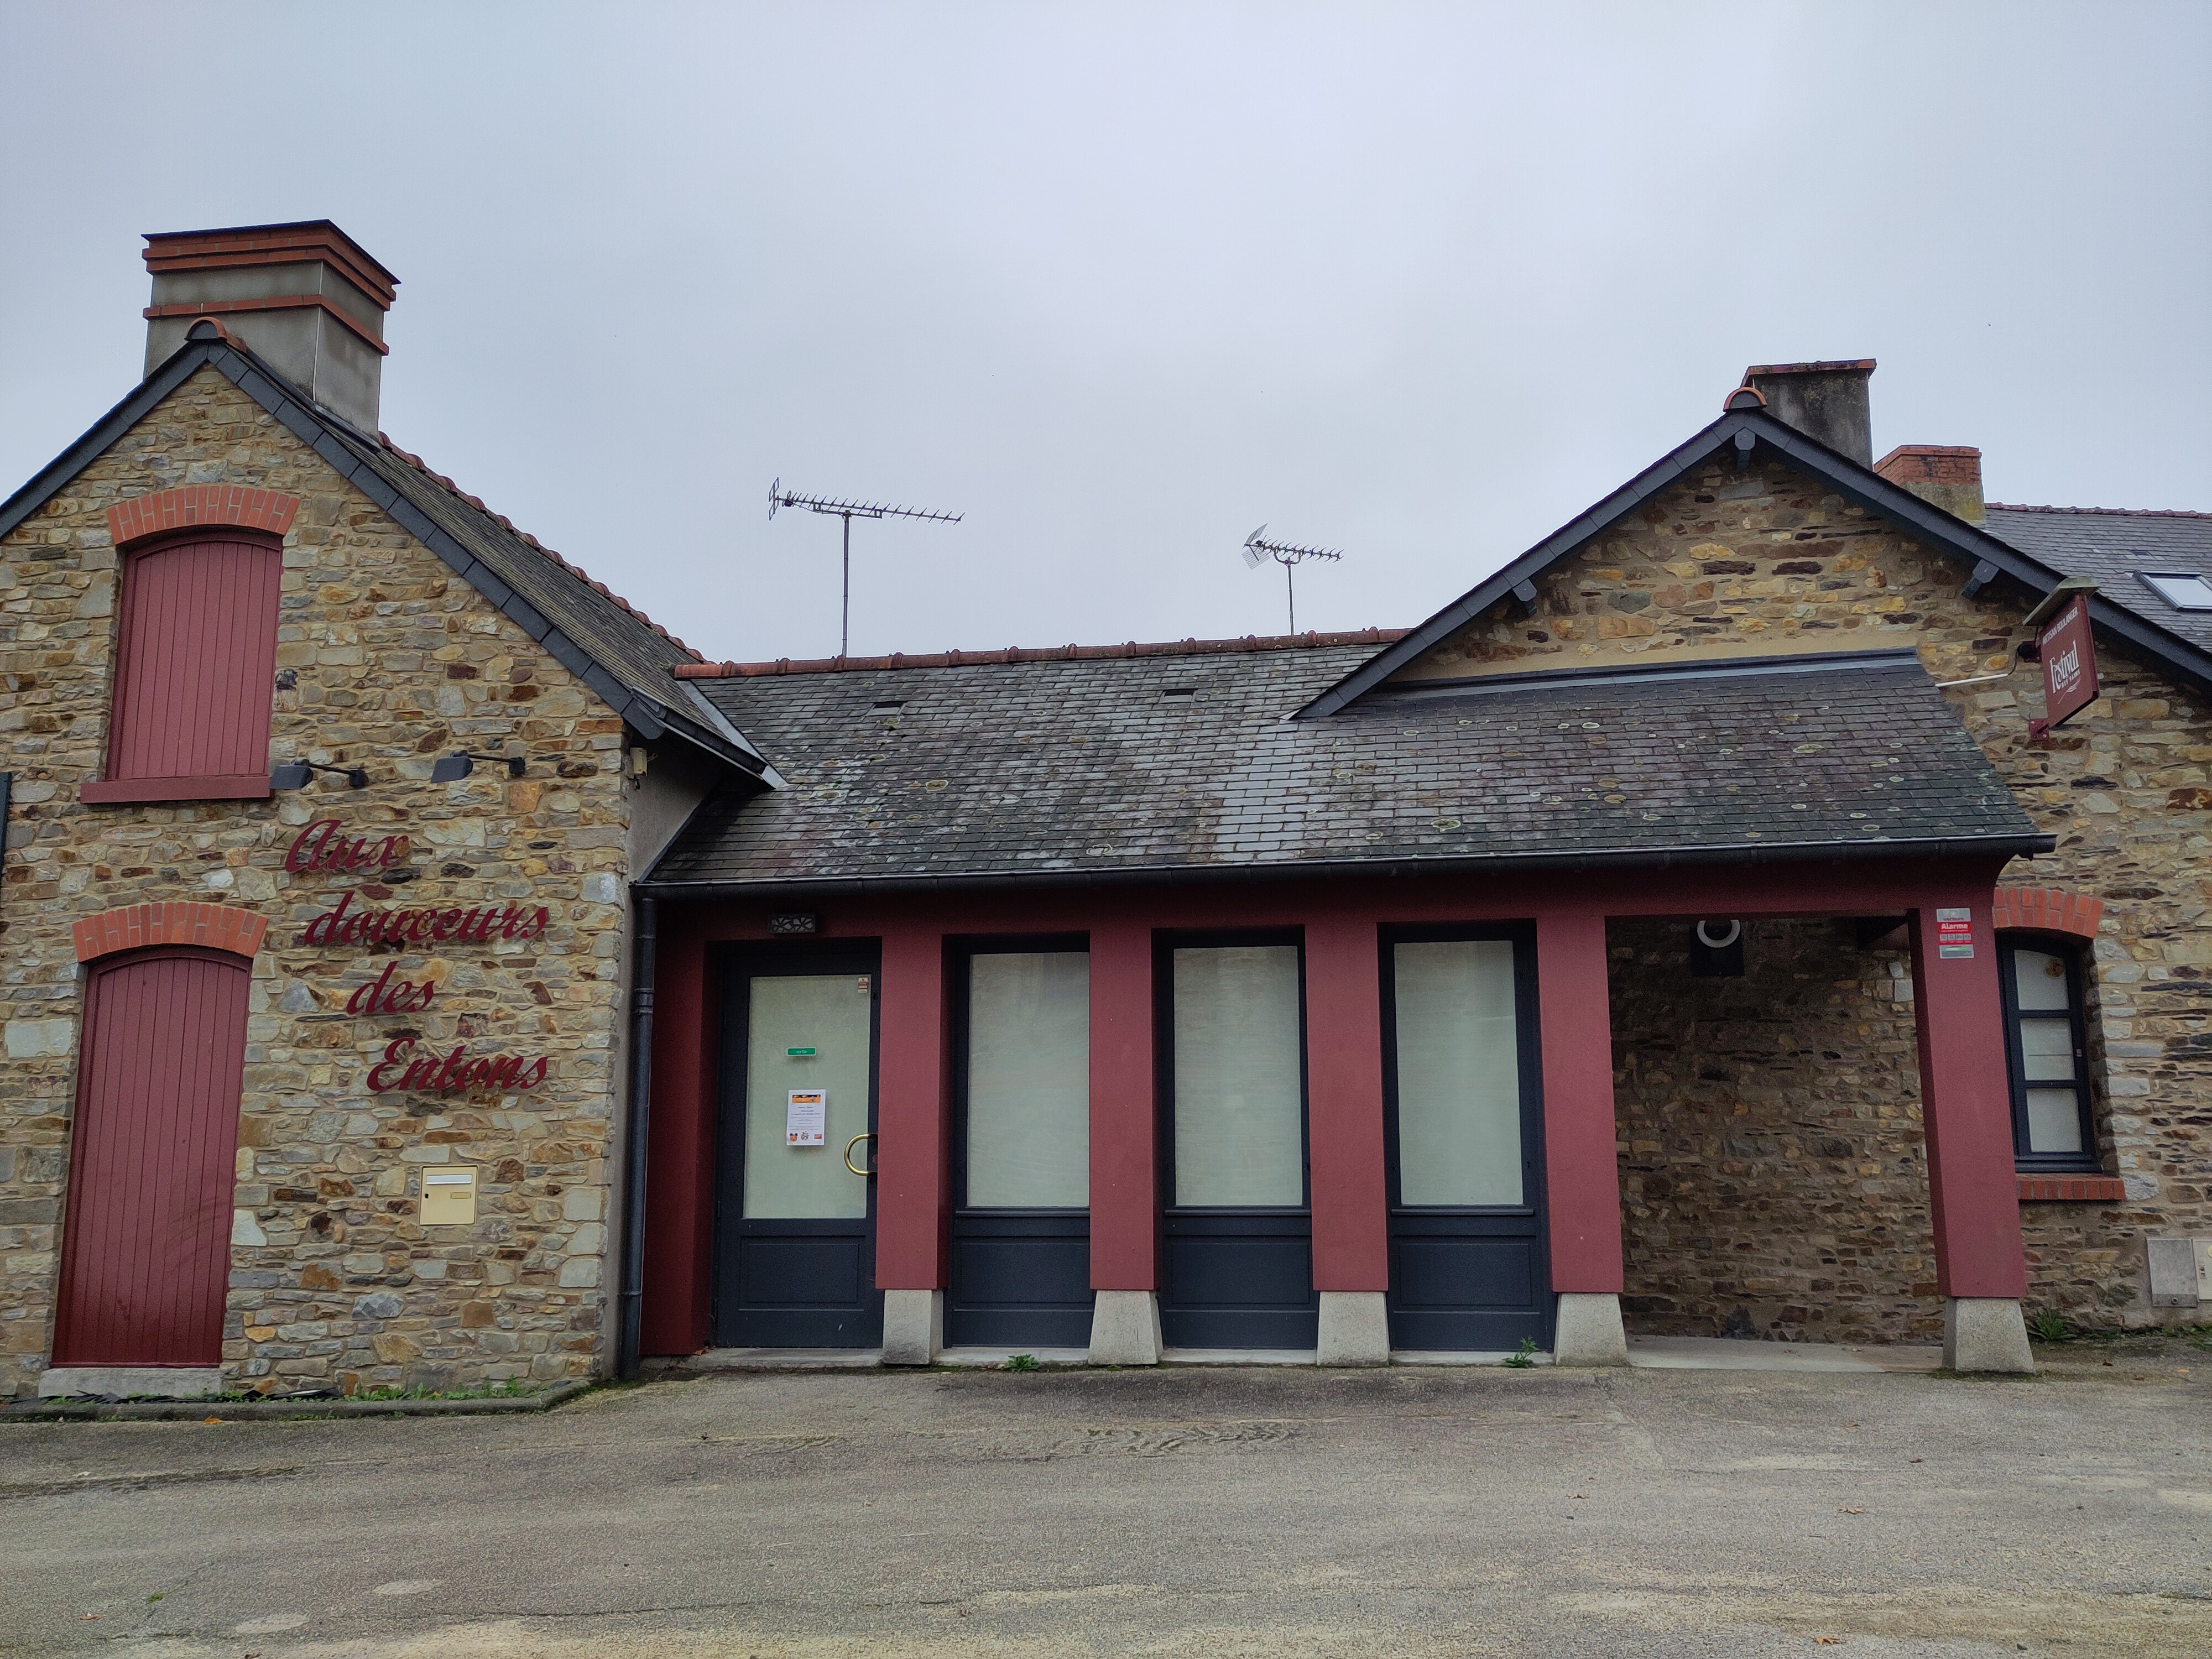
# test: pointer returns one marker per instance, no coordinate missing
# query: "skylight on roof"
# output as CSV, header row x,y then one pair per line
x,y
2183,590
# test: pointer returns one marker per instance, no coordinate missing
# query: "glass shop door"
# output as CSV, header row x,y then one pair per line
x,y
1236,1227
1464,1128
795,1258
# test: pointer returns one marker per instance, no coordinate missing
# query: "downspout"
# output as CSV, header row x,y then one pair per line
x,y
636,1140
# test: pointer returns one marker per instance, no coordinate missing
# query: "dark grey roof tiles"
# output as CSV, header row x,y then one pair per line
x,y
1083,769
2109,546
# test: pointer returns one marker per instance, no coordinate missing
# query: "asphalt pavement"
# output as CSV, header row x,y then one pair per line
x,y
1245,1511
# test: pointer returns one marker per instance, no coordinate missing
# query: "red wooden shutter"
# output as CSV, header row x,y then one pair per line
x,y
195,652
146,1249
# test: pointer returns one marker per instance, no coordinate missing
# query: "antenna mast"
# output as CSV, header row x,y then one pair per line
x,y
1286,554
848,511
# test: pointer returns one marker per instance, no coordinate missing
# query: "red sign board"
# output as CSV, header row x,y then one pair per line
x,y
2069,657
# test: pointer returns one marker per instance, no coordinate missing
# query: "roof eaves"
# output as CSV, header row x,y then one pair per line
x,y
1661,858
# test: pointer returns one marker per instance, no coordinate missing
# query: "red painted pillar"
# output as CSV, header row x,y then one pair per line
x,y
1965,1102
1124,1161
679,1161
912,1114
1582,1175
1344,1103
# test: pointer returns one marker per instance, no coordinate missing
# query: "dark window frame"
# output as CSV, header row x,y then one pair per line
x,y
1522,938
1165,944
962,953
2069,950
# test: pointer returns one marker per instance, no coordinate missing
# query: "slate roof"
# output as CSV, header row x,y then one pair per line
x,y
2108,545
627,659
1087,770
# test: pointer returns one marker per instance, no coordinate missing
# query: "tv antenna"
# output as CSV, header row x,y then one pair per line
x,y
848,511
1257,552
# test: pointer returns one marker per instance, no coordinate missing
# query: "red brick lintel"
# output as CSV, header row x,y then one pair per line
x,y
731,671
2047,910
134,926
198,505
2074,1190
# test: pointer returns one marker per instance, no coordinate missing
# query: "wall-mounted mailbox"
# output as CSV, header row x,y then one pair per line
x,y
449,1196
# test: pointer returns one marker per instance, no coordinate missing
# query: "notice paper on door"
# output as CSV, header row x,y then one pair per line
x,y
807,1117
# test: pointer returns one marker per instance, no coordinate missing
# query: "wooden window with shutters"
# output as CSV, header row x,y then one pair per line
x,y
195,652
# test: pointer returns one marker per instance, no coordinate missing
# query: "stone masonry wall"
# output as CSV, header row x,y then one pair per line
x,y
1762,561
1773,1170
384,659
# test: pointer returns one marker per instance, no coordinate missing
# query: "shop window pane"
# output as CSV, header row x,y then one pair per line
x,y
826,1014
1029,1079
1459,1074
2046,1048
2054,1121
2040,979
1239,1106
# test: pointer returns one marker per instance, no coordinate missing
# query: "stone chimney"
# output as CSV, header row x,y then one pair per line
x,y
1948,476
305,298
1826,402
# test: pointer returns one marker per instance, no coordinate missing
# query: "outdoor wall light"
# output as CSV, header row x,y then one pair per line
x,y
297,774
452,769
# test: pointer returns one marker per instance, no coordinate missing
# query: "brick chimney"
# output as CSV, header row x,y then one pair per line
x,y
1948,476
305,297
1826,402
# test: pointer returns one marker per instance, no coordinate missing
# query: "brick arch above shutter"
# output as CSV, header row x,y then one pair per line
x,y
134,926
201,507
2047,910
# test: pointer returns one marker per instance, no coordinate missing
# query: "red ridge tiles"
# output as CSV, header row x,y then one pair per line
x,y
2047,910
2075,1189
197,505
731,671
134,926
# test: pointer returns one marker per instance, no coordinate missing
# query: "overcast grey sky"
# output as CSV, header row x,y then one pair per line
x,y
1120,282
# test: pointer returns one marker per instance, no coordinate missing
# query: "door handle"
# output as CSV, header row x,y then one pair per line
x,y
870,1173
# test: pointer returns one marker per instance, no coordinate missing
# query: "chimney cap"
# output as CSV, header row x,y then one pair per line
x,y
298,243
1839,366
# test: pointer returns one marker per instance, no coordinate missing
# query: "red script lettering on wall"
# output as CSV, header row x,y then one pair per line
x,y
446,1073
382,996
370,929
320,847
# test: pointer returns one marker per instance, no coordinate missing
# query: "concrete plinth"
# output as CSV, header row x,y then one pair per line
x,y
1125,1329
1355,1329
1588,1331
131,1382
1986,1334
914,1327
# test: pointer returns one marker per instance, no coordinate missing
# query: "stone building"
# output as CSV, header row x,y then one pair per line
x,y
421,970
225,579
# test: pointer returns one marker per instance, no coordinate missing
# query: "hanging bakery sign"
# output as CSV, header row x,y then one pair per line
x,y
408,1065
2067,650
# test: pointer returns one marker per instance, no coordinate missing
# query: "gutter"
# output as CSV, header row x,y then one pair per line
x,y
636,1140
1660,857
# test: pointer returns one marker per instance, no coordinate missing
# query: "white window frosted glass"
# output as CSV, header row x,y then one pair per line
x,y
2046,1048
1029,1079
2039,982
1459,1074
828,1013
2054,1121
2183,592
1239,1105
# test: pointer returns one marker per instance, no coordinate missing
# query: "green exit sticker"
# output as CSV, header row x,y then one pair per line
x,y
799,1053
